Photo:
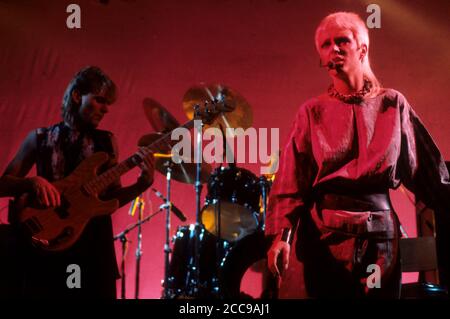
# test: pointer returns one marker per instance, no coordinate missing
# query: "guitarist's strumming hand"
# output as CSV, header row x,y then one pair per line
x,y
147,167
46,194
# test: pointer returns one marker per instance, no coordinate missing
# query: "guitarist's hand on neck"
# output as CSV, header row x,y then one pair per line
x,y
145,180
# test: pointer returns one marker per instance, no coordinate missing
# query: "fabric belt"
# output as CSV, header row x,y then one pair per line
x,y
360,215
357,203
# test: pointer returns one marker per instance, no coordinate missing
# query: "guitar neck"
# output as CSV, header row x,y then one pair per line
x,y
102,181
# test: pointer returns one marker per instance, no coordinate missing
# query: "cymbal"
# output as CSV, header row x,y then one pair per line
x,y
239,115
182,172
160,119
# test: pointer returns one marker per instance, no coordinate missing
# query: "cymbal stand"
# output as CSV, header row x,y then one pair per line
x,y
194,278
218,210
198,159
217,216
167,249
263,183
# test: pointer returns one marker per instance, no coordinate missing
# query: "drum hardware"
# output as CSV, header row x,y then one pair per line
x,y
236,113
264,184
161,147
232,210
162,121
229,158
223,228
214,104
168,206
193,283
167,249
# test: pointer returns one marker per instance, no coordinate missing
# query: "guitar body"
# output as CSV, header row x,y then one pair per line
x,y
57,229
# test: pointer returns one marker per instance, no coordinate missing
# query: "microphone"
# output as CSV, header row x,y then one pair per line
x,y
330,65
174,208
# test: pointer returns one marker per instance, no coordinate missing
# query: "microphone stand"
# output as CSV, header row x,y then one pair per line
x,y
123,239
139,245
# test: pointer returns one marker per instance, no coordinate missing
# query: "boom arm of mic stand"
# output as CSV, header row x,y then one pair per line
x,y
133,226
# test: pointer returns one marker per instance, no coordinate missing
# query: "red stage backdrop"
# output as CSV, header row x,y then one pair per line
x,y
262,49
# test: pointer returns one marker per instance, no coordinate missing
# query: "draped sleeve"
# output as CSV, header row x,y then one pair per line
x,y
290,192
421,167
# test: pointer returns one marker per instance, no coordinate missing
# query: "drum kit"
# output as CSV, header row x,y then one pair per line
x,y
209,258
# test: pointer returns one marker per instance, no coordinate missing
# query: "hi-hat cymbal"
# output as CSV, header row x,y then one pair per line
x,y
239,115
182,172
160,119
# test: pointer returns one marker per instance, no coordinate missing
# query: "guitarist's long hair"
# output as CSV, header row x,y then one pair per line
x,y
90,79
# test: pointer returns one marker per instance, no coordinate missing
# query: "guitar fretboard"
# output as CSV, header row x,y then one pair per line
x,y
102,181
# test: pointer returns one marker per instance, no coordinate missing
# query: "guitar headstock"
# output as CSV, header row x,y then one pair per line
x,y
212,101
211,110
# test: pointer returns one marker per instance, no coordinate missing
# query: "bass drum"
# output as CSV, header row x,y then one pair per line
x,y
182,282
249,251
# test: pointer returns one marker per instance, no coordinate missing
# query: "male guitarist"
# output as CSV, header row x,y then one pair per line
x,y
56,151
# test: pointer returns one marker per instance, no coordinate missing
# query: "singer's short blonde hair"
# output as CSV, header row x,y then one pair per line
x,y
350,21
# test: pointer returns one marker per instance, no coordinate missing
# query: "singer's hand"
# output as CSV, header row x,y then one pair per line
x,y
278,248
147,166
